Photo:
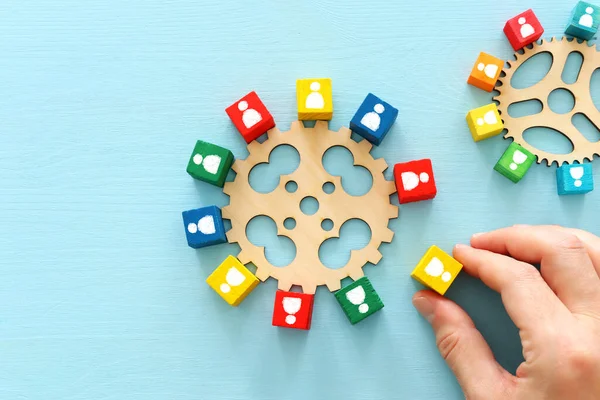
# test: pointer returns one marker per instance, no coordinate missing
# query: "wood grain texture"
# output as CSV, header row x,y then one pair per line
x,y
102,101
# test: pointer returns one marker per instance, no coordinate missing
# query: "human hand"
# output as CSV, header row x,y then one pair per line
x,y
556,310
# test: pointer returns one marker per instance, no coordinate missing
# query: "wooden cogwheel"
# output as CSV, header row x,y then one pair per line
x,y
583,149
306,270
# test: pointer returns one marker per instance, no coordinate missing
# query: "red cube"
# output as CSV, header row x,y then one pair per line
x,y
293,310
250,117
523,29
415,181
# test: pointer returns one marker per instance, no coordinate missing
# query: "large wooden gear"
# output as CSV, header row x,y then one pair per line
x,y
583,149
306,270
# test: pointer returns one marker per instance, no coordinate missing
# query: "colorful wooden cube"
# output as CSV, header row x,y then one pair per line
x,y
293,310
315,99
204,227
575,179
523,29
373,119
250,117
436,270
486,72
415,181
210,163
232,281
485,122
359,300
515,162
584,22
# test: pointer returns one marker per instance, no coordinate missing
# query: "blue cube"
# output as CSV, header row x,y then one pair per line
x,y
204,227
575,179
373,119
585,20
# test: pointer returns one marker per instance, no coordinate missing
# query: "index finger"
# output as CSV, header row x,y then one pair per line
x,y
529,301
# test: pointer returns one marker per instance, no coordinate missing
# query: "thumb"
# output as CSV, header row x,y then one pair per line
x,y
464,349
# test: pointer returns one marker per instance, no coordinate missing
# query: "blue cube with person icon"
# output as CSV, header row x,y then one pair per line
x,y
575,179
204,227
373,119
584,22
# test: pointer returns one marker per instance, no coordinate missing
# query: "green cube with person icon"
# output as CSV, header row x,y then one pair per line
x,y
210,163
515,162
359,300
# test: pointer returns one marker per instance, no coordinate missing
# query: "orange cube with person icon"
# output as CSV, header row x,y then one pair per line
x,y
486,72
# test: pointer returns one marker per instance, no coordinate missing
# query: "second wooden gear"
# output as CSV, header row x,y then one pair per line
x,y
560,50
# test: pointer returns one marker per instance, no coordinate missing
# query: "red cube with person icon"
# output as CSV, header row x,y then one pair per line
x,y
250,117
293,310
523,29
415,181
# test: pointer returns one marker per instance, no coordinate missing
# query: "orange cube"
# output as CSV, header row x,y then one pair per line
x,y
486,72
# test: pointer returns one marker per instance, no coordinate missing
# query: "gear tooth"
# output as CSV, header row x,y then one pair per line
x,y
381,165
261,274
356,274
365,145
228,188
387,236
232,237
273,132
334,286
296,125
253,146
374,257
345,131
225,212
322,125
235,166
391,187
286,286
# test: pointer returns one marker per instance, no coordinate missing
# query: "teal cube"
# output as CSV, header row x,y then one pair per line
x,y
575,179
584,22
210,163
359,300
515,162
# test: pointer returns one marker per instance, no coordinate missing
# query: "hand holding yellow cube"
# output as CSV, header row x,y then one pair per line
x,y
232,281
437,270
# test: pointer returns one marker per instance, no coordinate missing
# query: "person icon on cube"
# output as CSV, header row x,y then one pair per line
x,y
526,29
250,116
373,119
315,99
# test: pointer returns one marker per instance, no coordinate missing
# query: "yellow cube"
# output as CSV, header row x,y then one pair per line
x,y
485,122
232,281
436,270
315,99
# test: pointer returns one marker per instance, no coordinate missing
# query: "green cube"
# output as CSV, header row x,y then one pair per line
x,y
359,300
515,162
210,163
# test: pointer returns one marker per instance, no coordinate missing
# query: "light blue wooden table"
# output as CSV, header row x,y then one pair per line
x,y
102,100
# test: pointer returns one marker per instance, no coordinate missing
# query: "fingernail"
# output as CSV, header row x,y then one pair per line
x,y
477,234
521,226
424,307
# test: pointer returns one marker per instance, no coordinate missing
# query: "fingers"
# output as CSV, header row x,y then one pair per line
x,y
565,263
464,349
528,300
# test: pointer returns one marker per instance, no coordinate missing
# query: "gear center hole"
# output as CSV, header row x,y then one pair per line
x,y
309,205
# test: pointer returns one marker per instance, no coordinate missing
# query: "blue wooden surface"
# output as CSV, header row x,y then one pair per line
x,y
102,101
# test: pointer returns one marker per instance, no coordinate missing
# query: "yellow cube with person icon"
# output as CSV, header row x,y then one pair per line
x,y
315,99
436,270
232,281
485,122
